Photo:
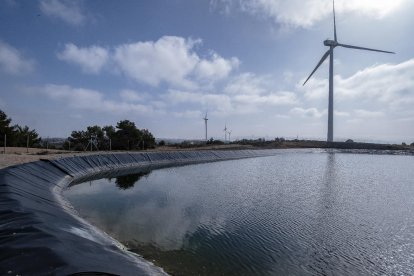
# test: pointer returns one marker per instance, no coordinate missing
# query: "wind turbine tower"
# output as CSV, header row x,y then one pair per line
x,y
205,123
225,133
332,44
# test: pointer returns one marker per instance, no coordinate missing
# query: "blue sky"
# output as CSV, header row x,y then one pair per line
x,y
65,65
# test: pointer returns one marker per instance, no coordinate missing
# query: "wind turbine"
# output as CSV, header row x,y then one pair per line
x,y
205,123
332,44
229,132
225,133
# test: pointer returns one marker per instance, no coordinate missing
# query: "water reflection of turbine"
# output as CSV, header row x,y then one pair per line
x,y
332,44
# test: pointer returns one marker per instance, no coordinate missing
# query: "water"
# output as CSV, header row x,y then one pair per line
x,y
299,213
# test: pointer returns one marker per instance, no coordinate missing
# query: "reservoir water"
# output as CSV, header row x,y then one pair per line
x,y
301,212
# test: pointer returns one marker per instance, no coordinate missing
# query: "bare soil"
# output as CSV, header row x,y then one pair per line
x,y
15,155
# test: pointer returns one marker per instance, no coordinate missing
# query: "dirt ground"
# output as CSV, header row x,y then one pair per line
x,y
15,155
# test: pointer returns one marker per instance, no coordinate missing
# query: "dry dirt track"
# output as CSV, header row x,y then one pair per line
x,y
16,155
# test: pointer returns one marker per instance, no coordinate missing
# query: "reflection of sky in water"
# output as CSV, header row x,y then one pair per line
x,y
300,213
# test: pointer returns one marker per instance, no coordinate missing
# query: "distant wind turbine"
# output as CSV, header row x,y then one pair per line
x,y
225,133
205,123
332,44
229,132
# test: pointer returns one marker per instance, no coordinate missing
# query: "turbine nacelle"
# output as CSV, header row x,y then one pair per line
x,y
330,43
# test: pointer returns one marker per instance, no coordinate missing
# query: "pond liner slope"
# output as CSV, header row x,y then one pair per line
x,y
40,233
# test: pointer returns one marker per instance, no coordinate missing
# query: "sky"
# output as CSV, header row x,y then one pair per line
x,y
66,65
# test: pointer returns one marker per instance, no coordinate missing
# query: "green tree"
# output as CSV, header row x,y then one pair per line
x,y
22,133
6,129
109,131
80,139
96,131
128,135
109,134
148,140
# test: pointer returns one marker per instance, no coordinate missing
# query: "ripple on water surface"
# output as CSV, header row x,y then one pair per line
x,y
299,213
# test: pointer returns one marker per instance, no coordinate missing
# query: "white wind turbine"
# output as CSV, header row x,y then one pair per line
x,y
332,44
225,133
205,123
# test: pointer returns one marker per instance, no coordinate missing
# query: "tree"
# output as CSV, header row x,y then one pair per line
x,y
79,140
128,135
22,135
109,131
6,129
147,139
98,133
109,136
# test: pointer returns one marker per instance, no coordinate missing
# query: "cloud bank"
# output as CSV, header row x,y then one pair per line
x,y
304,14
171,60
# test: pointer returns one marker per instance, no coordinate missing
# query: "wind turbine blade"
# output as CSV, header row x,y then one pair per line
x,y
363,48
319,64
334,21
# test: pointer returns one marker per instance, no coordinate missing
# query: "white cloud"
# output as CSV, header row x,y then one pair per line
x,y
276,98
91,59
391,85
388,83
299,13
81,99
341,114
248,83
225,104
366,114
74,97
13,62
132,96
188,114
216,68
221,103
171,60
315,88
177,97
67,10
309,112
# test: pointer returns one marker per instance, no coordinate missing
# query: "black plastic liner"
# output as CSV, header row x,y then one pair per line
x,y
40,233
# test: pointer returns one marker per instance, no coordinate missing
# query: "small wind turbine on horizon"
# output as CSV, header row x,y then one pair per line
x,y
332,44
225,132
205,123
229,132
